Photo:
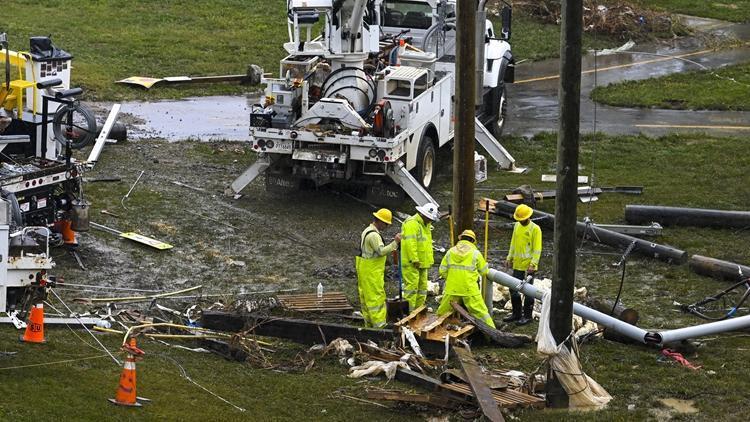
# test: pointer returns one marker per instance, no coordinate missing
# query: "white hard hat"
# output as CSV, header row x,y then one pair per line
x,y
430,211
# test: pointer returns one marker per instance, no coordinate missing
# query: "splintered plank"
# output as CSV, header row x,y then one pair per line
x,y
478,385
508,399
329,302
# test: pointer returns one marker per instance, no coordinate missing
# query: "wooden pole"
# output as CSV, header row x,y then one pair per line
x,y
564,261
463,143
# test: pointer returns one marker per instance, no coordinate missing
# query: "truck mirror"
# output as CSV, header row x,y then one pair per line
x,y
506,15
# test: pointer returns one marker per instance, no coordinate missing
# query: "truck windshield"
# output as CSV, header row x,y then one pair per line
x,y
407,14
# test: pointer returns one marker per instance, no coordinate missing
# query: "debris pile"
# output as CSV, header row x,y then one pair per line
x,y
614,18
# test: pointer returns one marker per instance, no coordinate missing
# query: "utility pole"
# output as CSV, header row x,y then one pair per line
x,y
564,261
463,143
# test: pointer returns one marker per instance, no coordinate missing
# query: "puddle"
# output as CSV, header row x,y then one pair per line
x,y
204,118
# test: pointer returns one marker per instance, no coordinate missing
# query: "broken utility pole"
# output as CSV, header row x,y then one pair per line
x,y
463,143
564,261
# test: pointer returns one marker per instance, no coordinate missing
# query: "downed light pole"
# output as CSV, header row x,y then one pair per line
x,y
651,337
564,261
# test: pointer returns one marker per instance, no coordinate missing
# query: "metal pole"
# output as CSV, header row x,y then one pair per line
x,y
564,261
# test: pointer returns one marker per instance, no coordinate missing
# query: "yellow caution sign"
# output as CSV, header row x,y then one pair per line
x,y
157,244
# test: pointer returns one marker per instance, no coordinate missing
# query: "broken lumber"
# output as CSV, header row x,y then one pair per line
x,y
717,268
297,330
677,216
329,302
594,233
504,339
436,400
508,399
478,385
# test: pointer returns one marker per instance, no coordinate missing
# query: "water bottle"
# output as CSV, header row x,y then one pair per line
x,y
320,290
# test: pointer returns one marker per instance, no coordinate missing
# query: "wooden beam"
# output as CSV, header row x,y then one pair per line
x,y
478,385
297,330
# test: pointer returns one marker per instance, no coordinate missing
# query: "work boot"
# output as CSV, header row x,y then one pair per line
x,y
512,318
524,321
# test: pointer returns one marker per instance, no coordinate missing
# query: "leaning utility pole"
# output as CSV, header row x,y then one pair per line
x,y
463,143
564,261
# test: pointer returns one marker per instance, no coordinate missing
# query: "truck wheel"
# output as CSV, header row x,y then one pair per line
x,y
499,101
425,170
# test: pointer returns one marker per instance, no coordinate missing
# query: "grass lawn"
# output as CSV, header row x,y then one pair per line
x,y
728,10
702,172
112,40
533,40
697,90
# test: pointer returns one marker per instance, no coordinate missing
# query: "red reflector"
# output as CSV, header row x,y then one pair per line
x,y
387,159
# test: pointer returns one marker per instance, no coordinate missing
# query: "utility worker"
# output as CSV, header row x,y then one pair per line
x,y
523,257
370,265
416,253
461,268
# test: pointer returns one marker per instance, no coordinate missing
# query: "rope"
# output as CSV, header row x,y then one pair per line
x,y
184,374
74,315
52,363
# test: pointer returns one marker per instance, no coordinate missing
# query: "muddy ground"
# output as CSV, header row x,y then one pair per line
x,y
261,241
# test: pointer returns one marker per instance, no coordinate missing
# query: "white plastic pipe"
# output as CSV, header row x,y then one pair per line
x,y
611,323
623,328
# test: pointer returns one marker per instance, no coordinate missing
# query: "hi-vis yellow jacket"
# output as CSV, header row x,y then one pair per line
x,y
461,267
416,242
525,246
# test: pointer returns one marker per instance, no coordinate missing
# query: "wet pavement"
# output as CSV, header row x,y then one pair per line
x,y
533,104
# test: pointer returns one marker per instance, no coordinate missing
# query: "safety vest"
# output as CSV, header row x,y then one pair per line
x,y
370,268
416,242
461,267
525,246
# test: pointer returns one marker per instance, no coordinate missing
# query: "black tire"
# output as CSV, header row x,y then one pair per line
x,y
424,172
499,108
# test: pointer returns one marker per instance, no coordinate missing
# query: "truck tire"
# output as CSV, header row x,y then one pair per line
x,y
426,158
500,107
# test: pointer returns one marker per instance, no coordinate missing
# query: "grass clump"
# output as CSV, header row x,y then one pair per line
x,y
722,89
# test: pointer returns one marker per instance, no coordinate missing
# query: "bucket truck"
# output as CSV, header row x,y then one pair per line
x,y
370,100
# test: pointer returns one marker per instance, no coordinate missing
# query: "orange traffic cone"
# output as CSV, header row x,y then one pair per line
x,y
35,327
69,236
125,395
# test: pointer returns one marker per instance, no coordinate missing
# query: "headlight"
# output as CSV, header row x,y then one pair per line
x,y
262,143
373,153
269,144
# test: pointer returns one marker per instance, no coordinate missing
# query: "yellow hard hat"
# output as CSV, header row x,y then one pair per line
x,y
470,234
384,215
523,212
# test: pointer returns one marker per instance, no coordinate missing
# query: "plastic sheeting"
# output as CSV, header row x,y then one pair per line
x,y
583,392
